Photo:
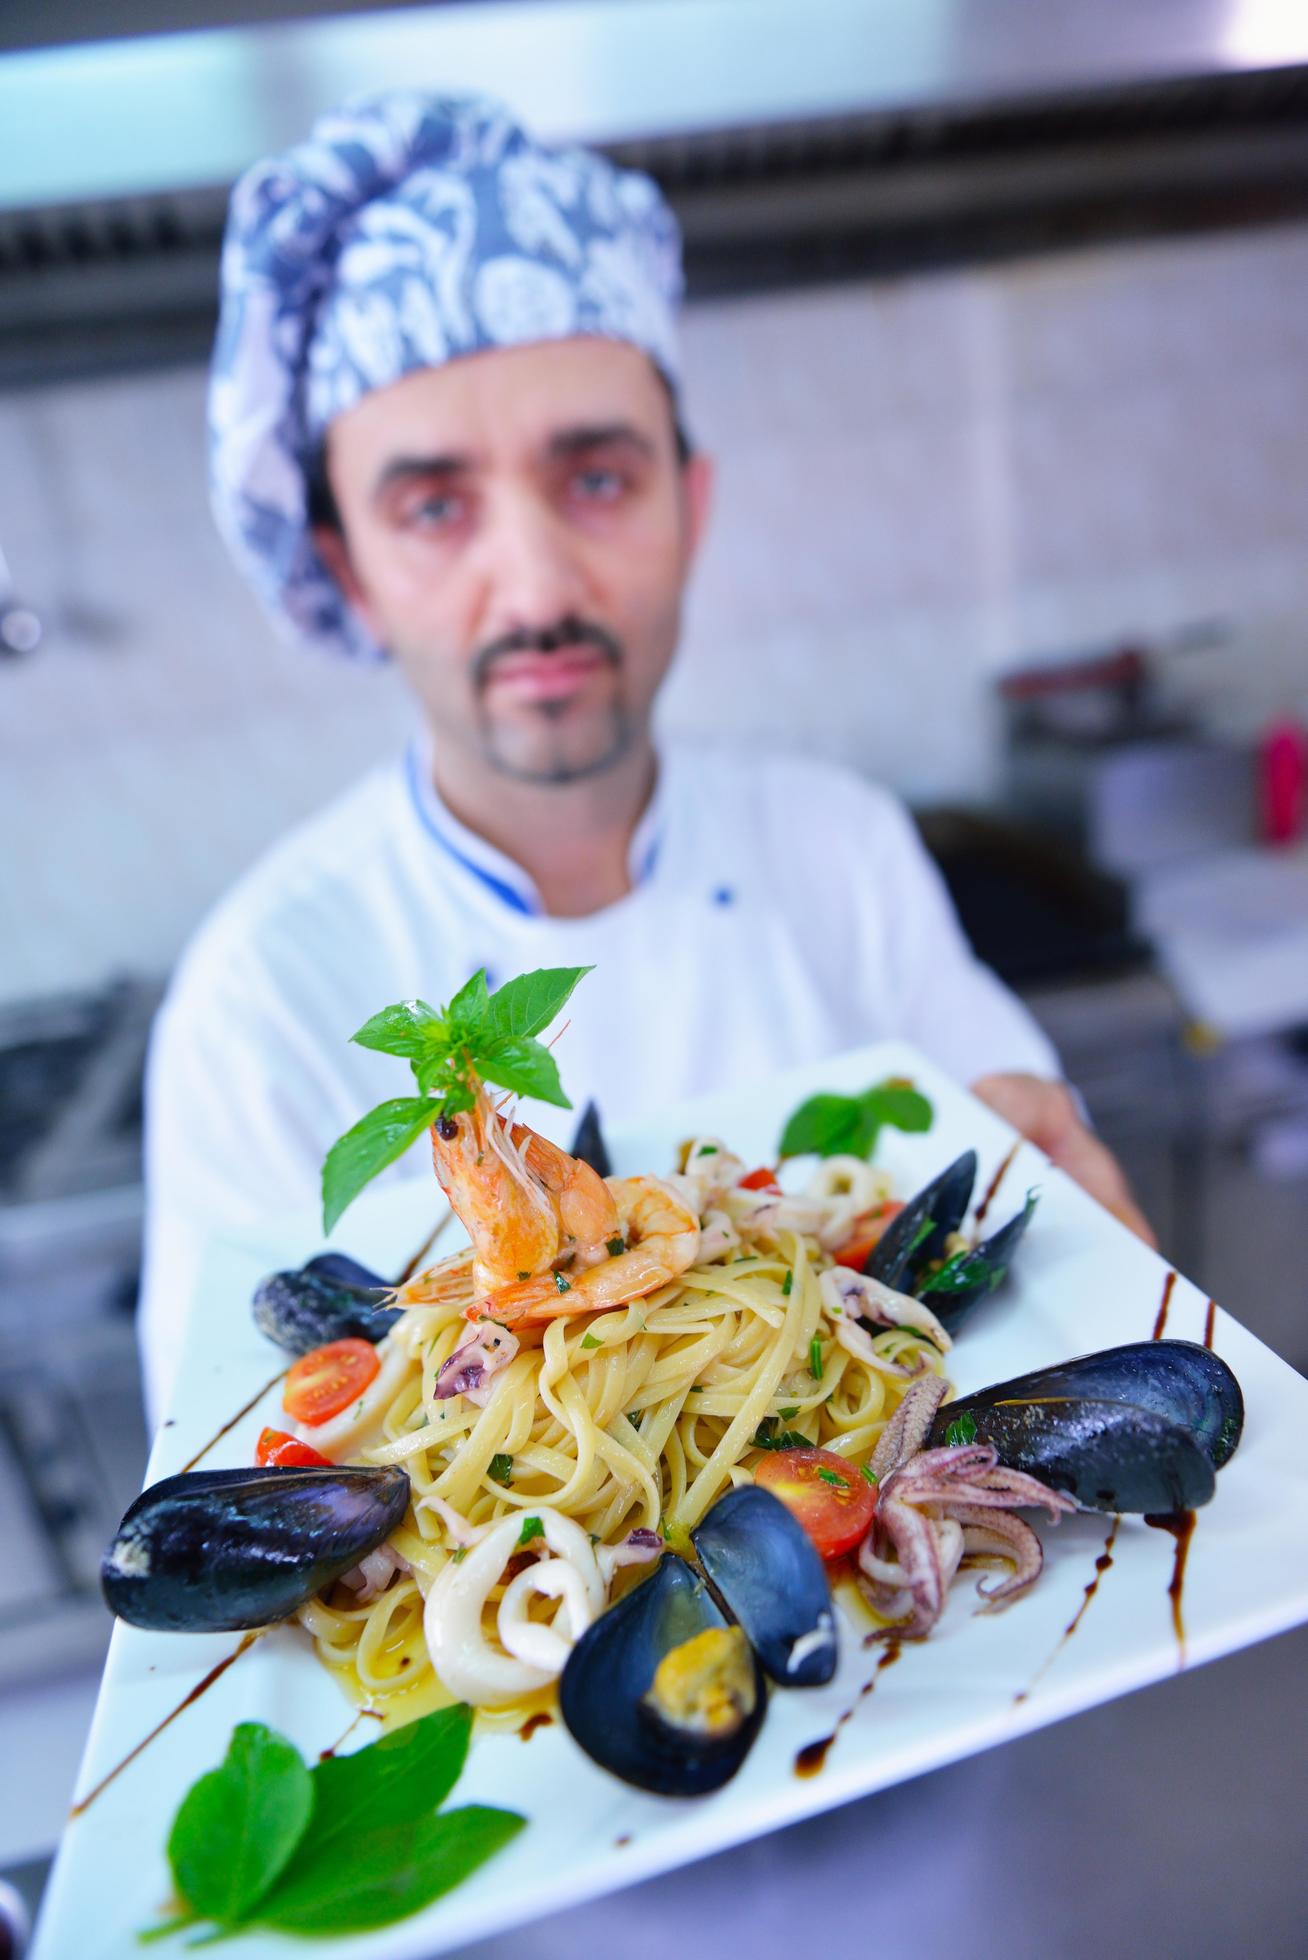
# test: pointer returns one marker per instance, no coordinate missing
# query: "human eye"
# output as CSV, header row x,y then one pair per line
x,y
435,510
599,484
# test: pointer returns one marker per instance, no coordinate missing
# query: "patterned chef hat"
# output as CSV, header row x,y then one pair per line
x,y
409,229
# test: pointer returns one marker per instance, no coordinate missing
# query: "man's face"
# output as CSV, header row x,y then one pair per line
x,y
517,533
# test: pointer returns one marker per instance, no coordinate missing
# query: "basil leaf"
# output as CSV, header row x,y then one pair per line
x,y
466,1013
381,1136
399,1776
531,1528
238,1826
524,1066
500,1469
411,1028
961,1431
900,1105
829,1125
825,1124
381,1872
528,1004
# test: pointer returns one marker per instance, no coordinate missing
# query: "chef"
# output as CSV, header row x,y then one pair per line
x,y
448,431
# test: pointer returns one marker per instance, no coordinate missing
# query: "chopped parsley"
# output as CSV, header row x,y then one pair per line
x,y
787,1283
459,1554
561,1283
615,1246
922,1234
768,1437
707,1150
501,1468
531,1528
815,1358
833,1477
961,1431
868,1474
591,1341
786,1414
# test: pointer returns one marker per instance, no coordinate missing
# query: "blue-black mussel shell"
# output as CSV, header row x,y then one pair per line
x,y
611,1669
327,1299
214,1550
1142,1427
764,1566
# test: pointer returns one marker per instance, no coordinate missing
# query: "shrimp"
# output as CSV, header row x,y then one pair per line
x,y
660,1240
524,1202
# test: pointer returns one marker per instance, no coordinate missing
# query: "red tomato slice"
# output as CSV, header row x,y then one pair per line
x,y
760,1180
275,1446
856,1251
829,1495
327,1379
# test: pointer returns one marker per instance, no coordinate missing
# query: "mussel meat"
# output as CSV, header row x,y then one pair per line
x,y
911,1254
214,1550
663,1690
779,1594
327,1299
1142,1427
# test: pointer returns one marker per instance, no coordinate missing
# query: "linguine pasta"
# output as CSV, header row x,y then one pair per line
x,y
629,1420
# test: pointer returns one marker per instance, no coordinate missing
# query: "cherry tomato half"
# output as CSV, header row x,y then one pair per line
x,y
762,1179
327,1379
275,1446
829,1495
857,1250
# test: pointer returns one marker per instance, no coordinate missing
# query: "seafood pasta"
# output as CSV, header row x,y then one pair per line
x,y
580,1385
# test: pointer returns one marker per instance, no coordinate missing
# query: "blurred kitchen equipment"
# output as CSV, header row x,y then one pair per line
x,y
20,628
1283,781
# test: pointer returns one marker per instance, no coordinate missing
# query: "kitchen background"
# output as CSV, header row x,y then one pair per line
x,y
1002,345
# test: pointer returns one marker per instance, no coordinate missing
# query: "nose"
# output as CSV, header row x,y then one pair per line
x,y
534,572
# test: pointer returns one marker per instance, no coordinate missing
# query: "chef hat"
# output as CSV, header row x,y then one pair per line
x,y
409,229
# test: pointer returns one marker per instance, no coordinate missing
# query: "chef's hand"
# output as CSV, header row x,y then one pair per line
x,y
1046,1113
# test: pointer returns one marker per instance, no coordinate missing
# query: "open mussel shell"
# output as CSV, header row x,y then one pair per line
x,y
1137,1428
972,1276
588,1144
605,1687
764,1566
215,1550
916,1236
328,1299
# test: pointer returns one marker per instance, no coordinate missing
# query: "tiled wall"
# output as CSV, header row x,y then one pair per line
x,y
920,480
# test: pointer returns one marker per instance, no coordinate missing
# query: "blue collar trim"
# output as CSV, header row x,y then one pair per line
x,y
500,888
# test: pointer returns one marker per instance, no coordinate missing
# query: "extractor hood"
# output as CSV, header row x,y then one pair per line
x,y
798,139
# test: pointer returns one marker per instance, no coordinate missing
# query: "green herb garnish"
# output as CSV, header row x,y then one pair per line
x,y
962,1430
868,1474
707,1150
833,1477
815,1358
561,1284
459,1553
786,1414
920,1237
591,1341
768,1437
531,1528
501,1468
355,1843
831,1125
479,1036
615,1246
787,1283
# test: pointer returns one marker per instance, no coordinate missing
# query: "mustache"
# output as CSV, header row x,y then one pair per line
x,y
570,631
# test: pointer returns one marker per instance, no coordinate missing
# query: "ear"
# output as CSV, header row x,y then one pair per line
x,y
335,554
697,479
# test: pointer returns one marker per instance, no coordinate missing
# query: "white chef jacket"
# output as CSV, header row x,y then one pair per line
x,y
781,910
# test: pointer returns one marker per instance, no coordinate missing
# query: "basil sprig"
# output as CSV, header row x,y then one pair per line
x,y
479,1036
352,1844
829,1125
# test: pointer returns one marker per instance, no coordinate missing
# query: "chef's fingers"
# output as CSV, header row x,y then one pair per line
x,y
1047,1113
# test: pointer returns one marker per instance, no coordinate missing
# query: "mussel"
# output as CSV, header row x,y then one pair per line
x,y
782,1601
1144,1427
911,1253
666,1688
214,1550
328,1298
589,1144
662,1690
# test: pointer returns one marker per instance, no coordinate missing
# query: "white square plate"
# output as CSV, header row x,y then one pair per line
x,y
1081,1282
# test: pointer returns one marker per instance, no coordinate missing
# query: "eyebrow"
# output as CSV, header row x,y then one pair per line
x,y
564,444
